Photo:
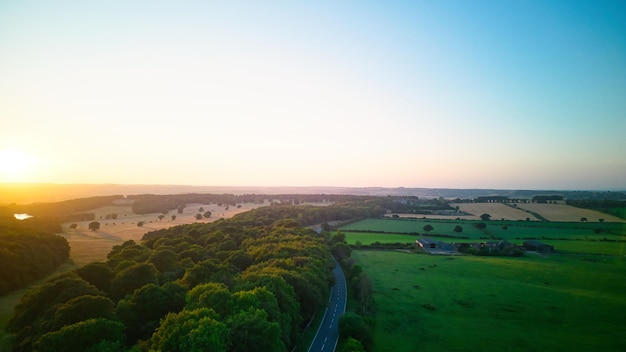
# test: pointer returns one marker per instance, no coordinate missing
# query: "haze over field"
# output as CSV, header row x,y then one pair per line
x,y
459,94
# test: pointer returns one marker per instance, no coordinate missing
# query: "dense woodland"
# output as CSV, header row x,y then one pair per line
x,y
27,255
247,283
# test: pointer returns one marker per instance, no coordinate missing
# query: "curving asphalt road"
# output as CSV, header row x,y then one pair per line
x,y
328,332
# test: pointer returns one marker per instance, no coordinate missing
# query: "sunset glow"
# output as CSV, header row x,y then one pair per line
x,y
16,166
417,94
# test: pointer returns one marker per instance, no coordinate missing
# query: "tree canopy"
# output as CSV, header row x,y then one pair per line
x,y
254,279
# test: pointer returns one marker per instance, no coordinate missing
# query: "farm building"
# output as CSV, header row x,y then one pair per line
x,y
537,246
430,245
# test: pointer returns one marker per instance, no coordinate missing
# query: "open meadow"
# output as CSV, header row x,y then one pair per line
x,y
572,300
468,303
566,237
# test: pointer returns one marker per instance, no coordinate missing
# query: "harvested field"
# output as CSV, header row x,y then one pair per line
x,y
562,212
496,210
88,246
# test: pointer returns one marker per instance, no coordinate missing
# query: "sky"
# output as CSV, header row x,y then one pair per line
x,y
449,94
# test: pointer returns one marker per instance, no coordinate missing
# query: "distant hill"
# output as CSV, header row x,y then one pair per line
x,y
31,193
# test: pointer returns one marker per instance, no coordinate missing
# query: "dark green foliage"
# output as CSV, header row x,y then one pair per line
x,y
251,331
428,227
80,308
97,274
37,307
353,325
81,336
352,345
247,283
132,278
142,312
192,331
94,226
26,255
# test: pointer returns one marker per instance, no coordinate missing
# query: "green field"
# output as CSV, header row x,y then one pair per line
x,y
467,303
620,212
567,237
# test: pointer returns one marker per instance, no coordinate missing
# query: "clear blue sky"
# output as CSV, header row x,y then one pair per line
x,y
459,94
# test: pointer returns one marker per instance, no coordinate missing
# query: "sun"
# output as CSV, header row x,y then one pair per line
x,y
16,165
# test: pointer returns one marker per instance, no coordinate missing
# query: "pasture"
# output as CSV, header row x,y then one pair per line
x,y
576,237
467,303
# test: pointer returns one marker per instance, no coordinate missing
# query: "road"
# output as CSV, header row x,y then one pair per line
x,y
328,332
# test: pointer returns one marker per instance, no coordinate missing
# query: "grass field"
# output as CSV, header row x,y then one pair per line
x,y
569,237
467,303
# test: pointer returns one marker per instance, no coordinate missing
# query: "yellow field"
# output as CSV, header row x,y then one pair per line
x,y
562,212
497,211
89,246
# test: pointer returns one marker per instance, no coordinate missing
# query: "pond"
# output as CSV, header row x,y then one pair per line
x,y
22,216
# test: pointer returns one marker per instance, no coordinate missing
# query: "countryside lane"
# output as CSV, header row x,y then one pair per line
x,y
328,332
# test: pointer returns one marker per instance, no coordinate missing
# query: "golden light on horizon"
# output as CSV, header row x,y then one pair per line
x,y
16,165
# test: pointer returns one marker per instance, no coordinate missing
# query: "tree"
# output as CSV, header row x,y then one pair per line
x,y
140,223
485,217
341,250
78,309
353,325
161,217
94,226
251,331
583,219
194,331
207,214
211,295
173,217
132,278
73,226
198,216
481,226
142,313
458,229
81,336
98,274
201,210
428,228
352,345
601,220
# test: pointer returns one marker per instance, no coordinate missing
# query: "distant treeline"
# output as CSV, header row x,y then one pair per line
x,y
27,255
613,207
153,203
597,204
47,217
414,205
249,283
61,209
